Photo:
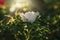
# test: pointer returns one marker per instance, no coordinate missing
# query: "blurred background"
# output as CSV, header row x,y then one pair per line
x,y
45,27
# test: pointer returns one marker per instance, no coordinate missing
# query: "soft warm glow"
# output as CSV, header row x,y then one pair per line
x,y
19,4
12,9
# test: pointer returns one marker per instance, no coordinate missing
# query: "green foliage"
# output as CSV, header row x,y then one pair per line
x,y
45,27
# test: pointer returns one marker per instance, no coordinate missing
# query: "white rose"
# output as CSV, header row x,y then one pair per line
x,y
29,16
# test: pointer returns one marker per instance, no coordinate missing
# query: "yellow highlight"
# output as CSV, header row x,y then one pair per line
x,y
3,6
11,20
59,16
55,7
55,21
